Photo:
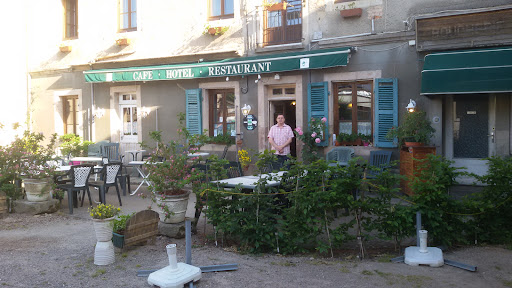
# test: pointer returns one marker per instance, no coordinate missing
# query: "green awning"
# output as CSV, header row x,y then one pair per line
x,y
468,71
228,67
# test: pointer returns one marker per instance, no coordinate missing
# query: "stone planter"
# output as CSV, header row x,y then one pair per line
x,y
177,205
37,190
104,250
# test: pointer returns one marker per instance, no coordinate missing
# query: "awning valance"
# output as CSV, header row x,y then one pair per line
x,y
228,67
468,71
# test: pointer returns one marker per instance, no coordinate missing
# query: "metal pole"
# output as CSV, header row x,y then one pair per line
x,y
188,242
418,228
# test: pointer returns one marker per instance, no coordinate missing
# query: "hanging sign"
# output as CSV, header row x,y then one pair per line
x,y
250,122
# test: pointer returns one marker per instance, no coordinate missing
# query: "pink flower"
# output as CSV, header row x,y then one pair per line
x,y
313,135
300,133
298,129
324,119
317,140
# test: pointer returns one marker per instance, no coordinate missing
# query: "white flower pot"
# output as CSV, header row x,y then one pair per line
x,y
104,251
37,190
103,229
177,204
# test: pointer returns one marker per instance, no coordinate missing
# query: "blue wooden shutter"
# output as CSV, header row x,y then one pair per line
x,y
317,105
194,119
386,110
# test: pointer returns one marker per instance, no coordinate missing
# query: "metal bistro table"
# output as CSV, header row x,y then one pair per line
x,y
135,153
86,159
138,165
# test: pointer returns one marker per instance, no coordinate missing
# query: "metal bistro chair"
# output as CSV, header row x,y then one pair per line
x,y
109,176
111,151
234,169
79,175
341,155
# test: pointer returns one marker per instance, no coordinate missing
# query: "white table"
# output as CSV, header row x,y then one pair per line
x,y
86,159
138,165
135,153
65,168
198,154
251,182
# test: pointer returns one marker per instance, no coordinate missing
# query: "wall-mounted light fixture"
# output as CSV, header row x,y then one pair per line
x,y
277,76
411,106
294,103
227,78
144,112
246,110
257,80
99,112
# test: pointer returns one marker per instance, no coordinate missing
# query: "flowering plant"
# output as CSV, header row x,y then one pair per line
x,y
243,157
311,138
103,211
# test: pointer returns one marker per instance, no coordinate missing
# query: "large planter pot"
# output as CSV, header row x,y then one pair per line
x,y
37,190
118,240
177,205
104,250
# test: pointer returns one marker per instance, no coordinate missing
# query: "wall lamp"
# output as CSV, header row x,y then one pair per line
x,y
277,76
259,77
144,112
246,110
411,106
99,112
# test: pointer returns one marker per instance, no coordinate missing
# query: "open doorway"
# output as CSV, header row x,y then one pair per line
x,y
287,108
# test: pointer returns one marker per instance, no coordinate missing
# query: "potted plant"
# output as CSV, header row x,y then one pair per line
x,y
366,139
345,139
35,168
350,11
71,145
103,217
415,130
170,167
244,159
274,6
119,227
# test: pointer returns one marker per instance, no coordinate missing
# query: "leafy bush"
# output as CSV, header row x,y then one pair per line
x,y
120,223
72,145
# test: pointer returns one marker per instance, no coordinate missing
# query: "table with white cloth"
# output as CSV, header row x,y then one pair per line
x,y
198,154
251,182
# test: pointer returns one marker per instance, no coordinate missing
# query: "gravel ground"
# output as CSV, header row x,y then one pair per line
x,y
56,250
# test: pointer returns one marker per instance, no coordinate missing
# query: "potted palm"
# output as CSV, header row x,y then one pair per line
x,y
415,130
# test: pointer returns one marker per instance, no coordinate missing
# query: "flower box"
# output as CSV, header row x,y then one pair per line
x,y
277,6
349,13
118,240
122,42
65,48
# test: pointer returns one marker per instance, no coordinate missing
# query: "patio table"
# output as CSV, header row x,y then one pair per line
x,y
135,153
251,182
86,159
138,165
198,154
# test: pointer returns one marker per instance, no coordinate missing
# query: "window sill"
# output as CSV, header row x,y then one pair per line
x,y
281,47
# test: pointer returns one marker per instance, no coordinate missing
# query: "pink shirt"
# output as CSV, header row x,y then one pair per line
x,y
280,135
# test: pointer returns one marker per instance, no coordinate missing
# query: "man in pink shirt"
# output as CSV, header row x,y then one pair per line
x,y
280,136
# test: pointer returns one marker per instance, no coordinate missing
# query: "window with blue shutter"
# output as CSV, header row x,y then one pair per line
x,y
318,107
386,110
194,115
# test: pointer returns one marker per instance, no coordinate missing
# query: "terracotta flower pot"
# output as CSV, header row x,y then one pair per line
x,y
348,13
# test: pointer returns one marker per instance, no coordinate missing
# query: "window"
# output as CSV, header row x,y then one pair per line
x,y
222,113
353,107
71,19
282,26
220,9
128,111
70,112
128,15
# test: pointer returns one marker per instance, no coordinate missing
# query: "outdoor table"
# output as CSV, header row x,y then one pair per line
x,y
135,153
198,154
86,159
251,182
138,165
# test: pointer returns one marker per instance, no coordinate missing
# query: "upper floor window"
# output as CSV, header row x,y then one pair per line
x,y
282,24
127,15
220,9
353,107
71,19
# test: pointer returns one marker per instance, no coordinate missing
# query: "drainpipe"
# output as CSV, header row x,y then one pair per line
x,y
92,132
